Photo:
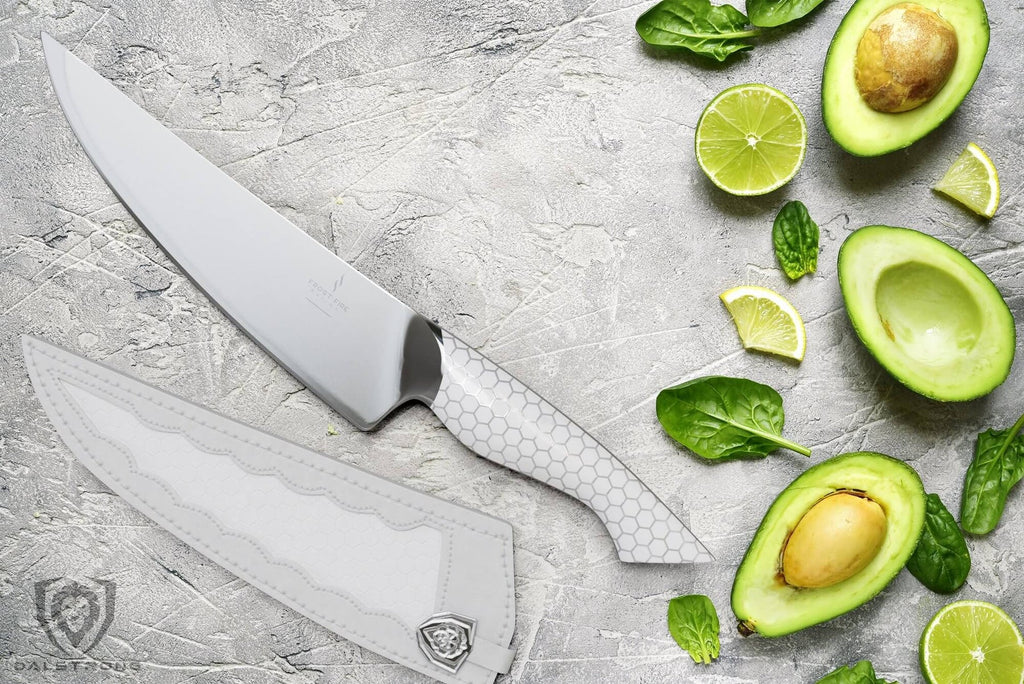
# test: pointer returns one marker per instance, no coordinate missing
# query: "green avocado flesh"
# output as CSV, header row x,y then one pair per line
x,y
929,315
861,130
763,601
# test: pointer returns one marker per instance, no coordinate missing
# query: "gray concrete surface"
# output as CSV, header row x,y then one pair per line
x,y
523,171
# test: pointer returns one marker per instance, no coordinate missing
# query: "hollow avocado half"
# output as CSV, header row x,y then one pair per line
x,y
926,312
761,598
861,130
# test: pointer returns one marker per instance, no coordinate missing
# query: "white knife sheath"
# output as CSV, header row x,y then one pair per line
x,y
424,582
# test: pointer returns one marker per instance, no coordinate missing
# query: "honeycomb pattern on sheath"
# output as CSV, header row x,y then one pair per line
x,y
503,420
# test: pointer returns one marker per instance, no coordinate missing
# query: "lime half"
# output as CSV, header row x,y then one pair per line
x,y
972,181
766,321
751,139
972,642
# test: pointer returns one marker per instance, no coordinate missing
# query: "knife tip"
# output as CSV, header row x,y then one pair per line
x,y
52,49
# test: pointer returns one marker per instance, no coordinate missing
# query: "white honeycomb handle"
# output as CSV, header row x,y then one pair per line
x,y
504,421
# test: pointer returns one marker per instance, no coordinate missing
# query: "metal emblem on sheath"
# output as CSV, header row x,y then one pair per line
x,y
446,639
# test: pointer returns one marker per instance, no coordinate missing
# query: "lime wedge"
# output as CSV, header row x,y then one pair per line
x,y
972,642
750,139
766,321
972,181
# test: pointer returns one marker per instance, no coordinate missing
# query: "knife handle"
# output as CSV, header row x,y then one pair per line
x,y
505,421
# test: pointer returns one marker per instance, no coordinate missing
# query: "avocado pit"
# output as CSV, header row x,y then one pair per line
x,y
904,58
834,540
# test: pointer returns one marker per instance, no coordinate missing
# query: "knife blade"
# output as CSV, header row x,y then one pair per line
x,y
422,581
351,342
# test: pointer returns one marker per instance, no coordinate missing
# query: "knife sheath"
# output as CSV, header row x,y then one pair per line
x,y
424,582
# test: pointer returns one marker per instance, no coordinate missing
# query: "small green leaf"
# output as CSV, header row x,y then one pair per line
x,y
997,466
693,623
861,673
720,417
795,237
697,26
941,560
777,12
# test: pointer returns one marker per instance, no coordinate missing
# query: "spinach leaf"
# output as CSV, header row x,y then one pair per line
x,y
693,623
997,466
861,673
795,237
698,26
941,560
778,12
720,417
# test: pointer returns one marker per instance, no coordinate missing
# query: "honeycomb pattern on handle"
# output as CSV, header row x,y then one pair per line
x,y
504,421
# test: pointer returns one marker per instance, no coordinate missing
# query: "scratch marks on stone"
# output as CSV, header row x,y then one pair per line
x,y
611,341
472,99
78,261
523,334
268,667
825,316
1001,253
96,23
702,370
525,302
84,260
457,52
147,629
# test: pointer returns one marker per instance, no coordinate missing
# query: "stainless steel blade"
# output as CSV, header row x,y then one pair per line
x,y
351,342
374,561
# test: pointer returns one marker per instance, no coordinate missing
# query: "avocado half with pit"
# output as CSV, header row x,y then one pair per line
x,y
896,70
924,310
833,539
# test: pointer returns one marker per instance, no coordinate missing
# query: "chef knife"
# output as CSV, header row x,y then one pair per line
x,y
422,581
348,340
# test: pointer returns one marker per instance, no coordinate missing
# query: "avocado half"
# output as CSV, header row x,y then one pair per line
x,y
762,600
861,130
924,310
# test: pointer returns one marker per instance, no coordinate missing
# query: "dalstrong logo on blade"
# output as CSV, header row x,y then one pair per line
x,y
75,614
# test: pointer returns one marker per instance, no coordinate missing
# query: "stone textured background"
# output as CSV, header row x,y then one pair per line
x,y
523,171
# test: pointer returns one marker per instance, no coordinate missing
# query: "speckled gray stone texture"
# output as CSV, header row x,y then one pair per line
x,y
522,170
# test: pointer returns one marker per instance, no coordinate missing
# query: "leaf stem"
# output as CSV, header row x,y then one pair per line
x,y
749,33
778,439
793,446
1010,436
1016,428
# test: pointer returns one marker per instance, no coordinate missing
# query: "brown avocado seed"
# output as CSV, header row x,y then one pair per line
x,y
904,58
834,540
